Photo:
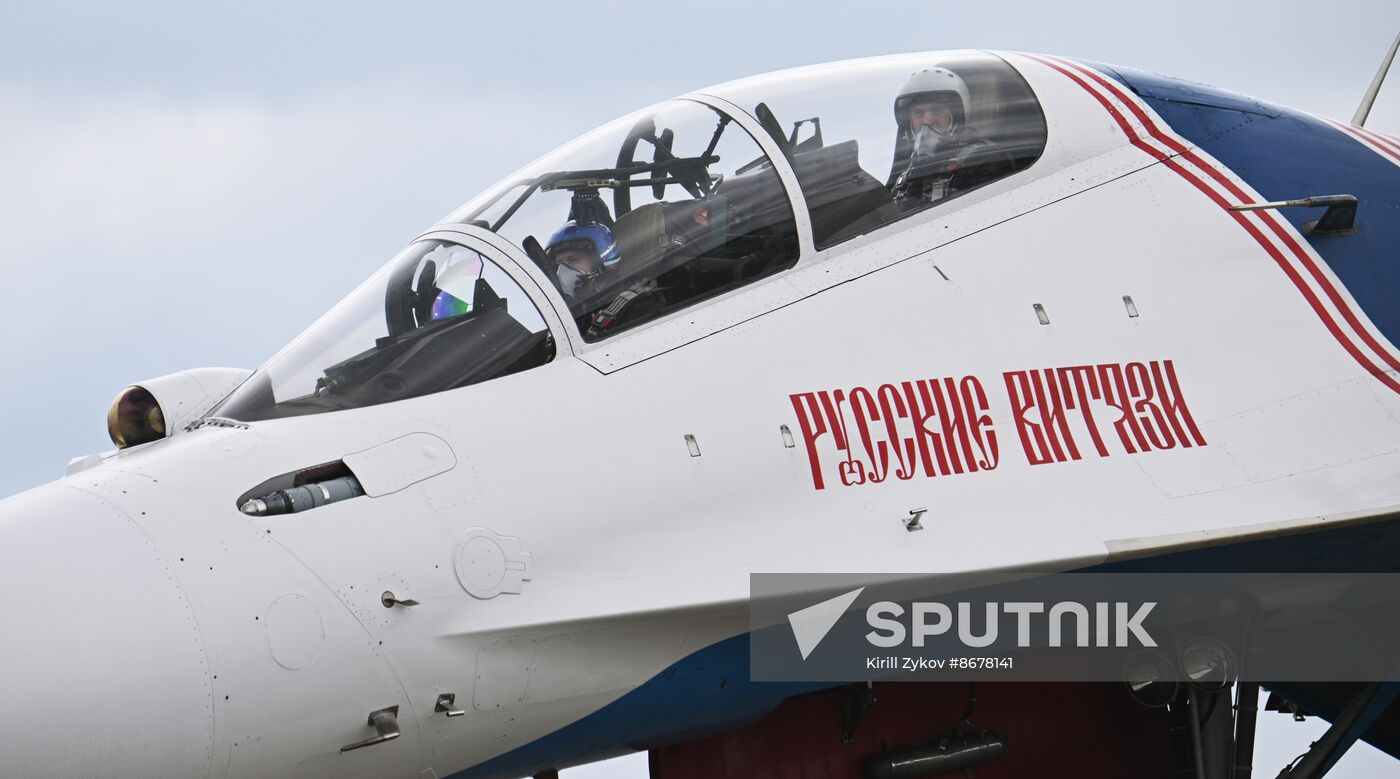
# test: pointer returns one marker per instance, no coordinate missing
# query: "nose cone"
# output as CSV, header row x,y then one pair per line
x,y
102,671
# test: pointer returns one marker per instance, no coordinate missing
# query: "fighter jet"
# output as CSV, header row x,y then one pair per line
x,y
497,512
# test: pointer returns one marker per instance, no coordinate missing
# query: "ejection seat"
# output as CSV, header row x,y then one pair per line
x,y
843,199
656,238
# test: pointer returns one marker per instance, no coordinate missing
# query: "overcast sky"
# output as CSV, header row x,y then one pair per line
x,y
191,184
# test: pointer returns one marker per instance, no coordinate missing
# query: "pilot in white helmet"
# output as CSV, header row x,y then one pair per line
x,y
937,154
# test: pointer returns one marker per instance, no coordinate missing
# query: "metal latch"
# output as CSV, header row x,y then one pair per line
x,y
915,520
386,726
444,705
390,600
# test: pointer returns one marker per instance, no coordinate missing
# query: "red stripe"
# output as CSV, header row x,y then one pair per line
x,y
1371,139
1382,146
1274,221
1122,123
1162,136
1240,217
1332,293
1379,137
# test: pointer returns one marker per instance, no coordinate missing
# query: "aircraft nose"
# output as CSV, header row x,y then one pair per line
x,y
102,670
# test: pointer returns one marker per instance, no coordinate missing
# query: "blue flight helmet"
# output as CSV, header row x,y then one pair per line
x,y
591,238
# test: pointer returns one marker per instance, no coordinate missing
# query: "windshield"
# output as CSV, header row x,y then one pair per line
x,y
437,317
646,215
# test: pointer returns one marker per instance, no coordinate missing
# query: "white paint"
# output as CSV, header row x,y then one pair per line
x,y
638,554
295,635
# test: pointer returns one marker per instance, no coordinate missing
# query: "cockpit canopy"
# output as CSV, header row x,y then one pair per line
x,y
845,130
695,205
437,317
658,211
690,201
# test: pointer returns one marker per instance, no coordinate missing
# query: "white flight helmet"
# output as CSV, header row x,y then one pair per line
x,y
938,83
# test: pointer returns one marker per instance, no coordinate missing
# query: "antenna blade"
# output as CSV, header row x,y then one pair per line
x,y
1364,110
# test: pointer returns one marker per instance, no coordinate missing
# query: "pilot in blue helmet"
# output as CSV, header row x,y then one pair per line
x,y
582,252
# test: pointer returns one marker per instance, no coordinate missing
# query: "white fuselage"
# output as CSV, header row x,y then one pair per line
x,y
151,617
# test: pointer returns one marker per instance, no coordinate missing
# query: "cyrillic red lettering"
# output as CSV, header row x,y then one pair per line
x,y
1169,396
982,433
863,406
813,426
954,426
1018,391
892,407
1148,414
851,470
922,408
1115,393
1052,415
1086,386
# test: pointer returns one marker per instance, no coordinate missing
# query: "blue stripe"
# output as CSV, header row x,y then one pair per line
x,y
706,693
709,692
1284,154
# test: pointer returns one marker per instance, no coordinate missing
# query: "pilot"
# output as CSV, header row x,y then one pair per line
x,y
588,266
937,155
583,252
